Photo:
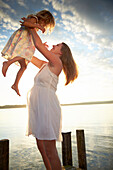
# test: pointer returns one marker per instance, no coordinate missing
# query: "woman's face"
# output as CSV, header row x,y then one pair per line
x,y
57,49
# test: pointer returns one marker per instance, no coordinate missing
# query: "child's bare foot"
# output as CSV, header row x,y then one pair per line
x,y
4,68
14,87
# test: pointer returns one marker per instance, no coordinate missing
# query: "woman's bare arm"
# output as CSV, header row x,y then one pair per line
x,y
37,62
41,47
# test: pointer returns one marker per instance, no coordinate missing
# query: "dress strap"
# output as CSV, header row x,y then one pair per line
x,y
42,67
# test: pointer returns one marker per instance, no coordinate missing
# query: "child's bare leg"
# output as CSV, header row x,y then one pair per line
x,y
6,64
19,75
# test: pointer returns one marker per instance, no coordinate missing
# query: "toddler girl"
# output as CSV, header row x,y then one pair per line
x,y
20,46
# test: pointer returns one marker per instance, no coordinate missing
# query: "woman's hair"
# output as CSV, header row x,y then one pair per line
x,y
46,17
69,66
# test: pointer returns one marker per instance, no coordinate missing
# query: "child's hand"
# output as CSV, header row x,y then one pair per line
x,y
43,30
40,27
26,22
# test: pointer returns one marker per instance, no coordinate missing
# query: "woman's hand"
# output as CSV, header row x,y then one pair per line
x,y
27,23
24,20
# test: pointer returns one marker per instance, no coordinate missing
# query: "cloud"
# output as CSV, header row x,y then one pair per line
x,y
8,22
7,17
22,3
3,36
1,47
85,25
10,26
90,21
4,5
45,2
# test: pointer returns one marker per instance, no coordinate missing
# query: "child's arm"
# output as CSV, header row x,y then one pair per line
x,y
31,22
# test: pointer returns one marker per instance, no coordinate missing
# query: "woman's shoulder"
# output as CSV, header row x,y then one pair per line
x,y
56,68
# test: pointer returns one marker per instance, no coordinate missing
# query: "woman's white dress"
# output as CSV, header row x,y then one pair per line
x,y
44,111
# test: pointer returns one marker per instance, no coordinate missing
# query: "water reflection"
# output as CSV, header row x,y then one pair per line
x,y
93,119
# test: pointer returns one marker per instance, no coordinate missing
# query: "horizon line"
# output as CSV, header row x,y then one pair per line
x,y
67,104
89,103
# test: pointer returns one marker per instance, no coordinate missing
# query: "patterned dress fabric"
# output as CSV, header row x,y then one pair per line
x,y
20,44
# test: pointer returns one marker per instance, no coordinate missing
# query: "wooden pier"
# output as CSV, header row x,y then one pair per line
x,y
4,154
66,152
70,168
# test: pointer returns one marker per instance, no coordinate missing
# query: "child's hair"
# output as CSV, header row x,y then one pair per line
x,y
69,66
47,17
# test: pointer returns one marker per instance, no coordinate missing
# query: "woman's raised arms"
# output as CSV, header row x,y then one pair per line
x,y
53,58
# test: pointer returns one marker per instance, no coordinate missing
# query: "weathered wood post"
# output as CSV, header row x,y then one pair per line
x,y
4,154
66,149
81,149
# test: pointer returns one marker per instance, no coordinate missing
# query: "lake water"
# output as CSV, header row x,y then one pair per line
x,y
96,120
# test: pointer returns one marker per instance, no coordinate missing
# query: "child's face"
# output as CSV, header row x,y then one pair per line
x,y
42,23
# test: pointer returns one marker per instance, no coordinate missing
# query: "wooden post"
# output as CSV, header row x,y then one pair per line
x,y
66,149
81,149
4,154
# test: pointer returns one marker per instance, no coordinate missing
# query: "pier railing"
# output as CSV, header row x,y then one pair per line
x,y
66,152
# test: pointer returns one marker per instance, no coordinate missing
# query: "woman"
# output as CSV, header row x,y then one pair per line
x,y
44,112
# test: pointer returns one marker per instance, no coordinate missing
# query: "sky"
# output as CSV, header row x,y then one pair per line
x,y
86,26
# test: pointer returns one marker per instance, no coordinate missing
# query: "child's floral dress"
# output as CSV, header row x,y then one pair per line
x,y
20,44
